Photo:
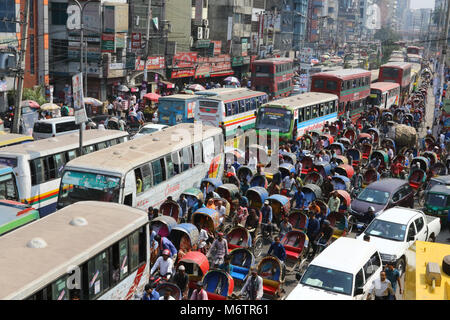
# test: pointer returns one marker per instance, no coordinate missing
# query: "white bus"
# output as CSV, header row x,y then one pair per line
x,y
106,243
384,94
233,111
144,172
38,164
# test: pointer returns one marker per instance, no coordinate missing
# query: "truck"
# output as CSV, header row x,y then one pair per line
x,y
396,229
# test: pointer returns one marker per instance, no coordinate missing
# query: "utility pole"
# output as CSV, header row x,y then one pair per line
x,y
443,54
21,71
86,67
149,19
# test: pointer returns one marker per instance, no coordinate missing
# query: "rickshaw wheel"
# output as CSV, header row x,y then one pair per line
x,y
227,229
421,198
351,223
302,266
258,246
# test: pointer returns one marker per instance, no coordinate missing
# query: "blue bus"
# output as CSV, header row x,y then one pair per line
x,y
178,108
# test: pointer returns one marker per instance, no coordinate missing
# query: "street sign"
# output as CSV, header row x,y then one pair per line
x,y
78,99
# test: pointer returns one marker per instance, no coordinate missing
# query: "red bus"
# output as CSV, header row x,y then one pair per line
x,y
352,86
397,72
413,50
273,76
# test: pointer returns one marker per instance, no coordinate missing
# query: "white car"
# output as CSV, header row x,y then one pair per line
x,y
396,229
149,128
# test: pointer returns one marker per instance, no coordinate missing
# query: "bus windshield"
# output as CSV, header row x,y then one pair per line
x,y
390,73
375,97
274,118
8,190
84,186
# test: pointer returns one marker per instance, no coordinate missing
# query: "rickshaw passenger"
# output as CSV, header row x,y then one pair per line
x,y
288,182
267,217
313,227
222,211
314,208
166,244
243,200
241,216
184,206
252,222
210,204
299,198
285,227
226,265
244,186
278,250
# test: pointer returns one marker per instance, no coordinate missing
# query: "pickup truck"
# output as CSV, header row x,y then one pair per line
x,y
396,229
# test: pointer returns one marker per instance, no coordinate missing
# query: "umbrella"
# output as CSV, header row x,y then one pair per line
x,y
29,103
196,87
232,80
152,96
123,88
93,101
49,106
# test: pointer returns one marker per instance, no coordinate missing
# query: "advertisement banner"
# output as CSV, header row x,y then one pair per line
x,y
182,73
108,43
135,41
78,98
185,60
217,47
153,63
120,40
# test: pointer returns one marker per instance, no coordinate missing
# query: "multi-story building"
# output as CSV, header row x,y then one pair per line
x,y
36,56
283,33
300,22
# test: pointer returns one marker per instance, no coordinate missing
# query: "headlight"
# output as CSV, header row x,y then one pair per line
x,y
388,257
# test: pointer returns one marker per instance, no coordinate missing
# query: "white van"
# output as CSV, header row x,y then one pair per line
x,y
343,271
48,128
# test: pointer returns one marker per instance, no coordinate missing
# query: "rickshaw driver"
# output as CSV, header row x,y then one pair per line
x,y
164,265
324,236
218,250
253,287
267,217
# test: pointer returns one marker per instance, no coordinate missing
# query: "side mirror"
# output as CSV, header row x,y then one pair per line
x,y
298,276
359,291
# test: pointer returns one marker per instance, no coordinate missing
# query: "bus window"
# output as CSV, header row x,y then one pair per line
x,y
321,110
331,85
241,106
176,162
341,107
235,107
102,145
59,289
301,115
147,178
198,157
218,145
37,171
319,84
187,158
315,112
343,85
133,244
139,183
170,167
307,113
208,150
354,83
157,172
228,109
59,162
98,275
325,109
253,103
265,98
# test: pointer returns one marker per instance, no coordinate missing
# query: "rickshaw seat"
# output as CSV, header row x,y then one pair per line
x,y
232,246
414,185
293,252
270,286
239,272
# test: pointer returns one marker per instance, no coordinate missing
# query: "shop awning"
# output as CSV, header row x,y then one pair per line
x,y
169,85
222,73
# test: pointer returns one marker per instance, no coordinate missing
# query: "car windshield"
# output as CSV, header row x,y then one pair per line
x,y
374,196
328,279
274,118
147,130
437,200
386,230
83,186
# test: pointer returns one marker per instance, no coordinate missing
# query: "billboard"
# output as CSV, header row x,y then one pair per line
x,y
78,99
185,60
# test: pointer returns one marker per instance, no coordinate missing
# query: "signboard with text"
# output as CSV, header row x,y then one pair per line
x,y
78,99
185,60
153,63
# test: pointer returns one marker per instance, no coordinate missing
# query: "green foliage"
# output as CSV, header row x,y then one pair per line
x,y
34,94
388,38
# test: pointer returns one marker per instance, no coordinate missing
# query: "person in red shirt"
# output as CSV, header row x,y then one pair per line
x,y
396,169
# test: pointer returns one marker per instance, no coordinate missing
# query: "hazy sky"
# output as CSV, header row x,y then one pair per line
x,y
417,4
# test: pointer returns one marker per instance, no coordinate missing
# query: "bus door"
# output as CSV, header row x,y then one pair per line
x,y
130,188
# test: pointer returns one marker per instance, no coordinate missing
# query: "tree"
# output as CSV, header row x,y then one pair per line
x,y
34,94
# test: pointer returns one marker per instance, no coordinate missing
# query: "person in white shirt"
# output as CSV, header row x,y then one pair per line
x,y
222,211
253,287
381,288
288,182
298,167
167,296
164,264
252,162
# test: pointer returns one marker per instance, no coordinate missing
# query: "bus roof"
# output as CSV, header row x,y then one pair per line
x,y
68,243
178,97
121,158
304,99
14,214
400,65
217,91
47,146
273,61
235,95
343,74
12,138
383,86
412,55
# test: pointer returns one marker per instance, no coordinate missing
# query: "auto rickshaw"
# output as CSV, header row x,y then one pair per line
x,y
256,197
245,173
350,134
384,159
206,218
346,143
218,284
193,196
432,157
196,265
185,238
271,271
172,209
375,133
241,261
369,176
437,203
230,192
311,192
356,157
341,183
175,291
323,168
295,243
280,206
163,225
337,148
210,184
298,219
345,170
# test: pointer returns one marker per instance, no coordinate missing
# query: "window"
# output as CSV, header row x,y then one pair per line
x,y
372,265
32,64
331,85
198,157
123,258
37,172
176,160
321,109
102,145
319,84
187,158
411,231
419,224
208,150
218,145
133,244
228,109
170,167
157,169
241,106
325,109
354,83
359,279
59,13
66,126
97,275
41,127
8,11
147,178
235,107
301,115
70,155
59,164
59,289
88,149
307,113
262,69
315,111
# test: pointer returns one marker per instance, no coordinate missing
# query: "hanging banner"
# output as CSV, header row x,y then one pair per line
x,y
135,41
78,99
108,43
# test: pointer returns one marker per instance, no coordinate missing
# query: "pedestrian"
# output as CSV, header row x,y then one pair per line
x,y
150,293
199,293
393,275
381,288
313,227
278,249
334,203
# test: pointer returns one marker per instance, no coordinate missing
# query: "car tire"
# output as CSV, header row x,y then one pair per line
x,y
401,266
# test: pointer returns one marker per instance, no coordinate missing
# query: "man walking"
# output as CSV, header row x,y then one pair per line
x,y
381,288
